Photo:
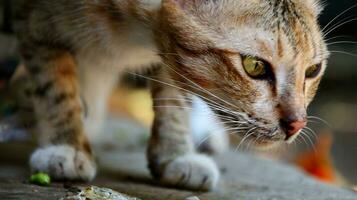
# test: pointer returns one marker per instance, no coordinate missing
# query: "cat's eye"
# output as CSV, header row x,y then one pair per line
x,y
255,67
312,71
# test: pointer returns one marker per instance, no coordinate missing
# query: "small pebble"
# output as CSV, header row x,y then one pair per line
x,y
192,198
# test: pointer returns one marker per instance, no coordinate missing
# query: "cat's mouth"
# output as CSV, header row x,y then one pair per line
x,y
254,132
266,144
263,138
259,137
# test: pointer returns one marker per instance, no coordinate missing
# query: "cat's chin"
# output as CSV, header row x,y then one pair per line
x,y
265,145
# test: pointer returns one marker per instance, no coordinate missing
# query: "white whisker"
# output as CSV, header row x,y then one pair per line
x,y
336,27
319,119
334,37
342,42
246,135
169,84
311,131
308,138
343,52
203,89
339,15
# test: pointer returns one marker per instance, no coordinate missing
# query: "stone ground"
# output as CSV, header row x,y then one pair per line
x,y
244,176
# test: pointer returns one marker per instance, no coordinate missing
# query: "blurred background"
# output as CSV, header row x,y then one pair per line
x,y
333,157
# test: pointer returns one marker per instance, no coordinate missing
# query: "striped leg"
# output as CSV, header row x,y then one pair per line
x,y
171,154
64,151
97,79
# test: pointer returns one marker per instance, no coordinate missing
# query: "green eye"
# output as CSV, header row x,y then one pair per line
x,y
254,67
313,71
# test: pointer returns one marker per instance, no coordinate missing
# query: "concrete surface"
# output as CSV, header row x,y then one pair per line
x,y
244,176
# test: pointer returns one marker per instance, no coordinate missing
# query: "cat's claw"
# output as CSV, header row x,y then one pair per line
x,y
63,162
192,171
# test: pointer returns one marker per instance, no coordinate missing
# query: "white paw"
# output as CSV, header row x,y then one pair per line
x,y
192,171
63,162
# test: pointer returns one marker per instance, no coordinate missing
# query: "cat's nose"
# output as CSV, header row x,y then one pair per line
x,y
292,126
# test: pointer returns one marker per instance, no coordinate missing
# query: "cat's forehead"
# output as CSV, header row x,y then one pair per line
x,y
277,28
275,45
271,11
264,28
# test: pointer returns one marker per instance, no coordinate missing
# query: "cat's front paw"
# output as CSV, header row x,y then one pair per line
x,y
63,162
192,171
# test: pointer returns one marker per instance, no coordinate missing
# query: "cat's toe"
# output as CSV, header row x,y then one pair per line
x,y
63,162
193,171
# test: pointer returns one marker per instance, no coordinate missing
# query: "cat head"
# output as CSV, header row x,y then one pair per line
x,y
257,63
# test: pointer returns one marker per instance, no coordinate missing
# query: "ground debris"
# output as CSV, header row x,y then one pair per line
x,y
96,193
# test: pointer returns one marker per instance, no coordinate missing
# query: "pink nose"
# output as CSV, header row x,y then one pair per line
x,y
293,127
296,126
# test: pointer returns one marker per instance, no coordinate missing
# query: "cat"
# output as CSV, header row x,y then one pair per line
x,y
257,64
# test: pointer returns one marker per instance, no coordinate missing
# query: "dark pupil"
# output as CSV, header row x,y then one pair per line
x,y
311,71
256,65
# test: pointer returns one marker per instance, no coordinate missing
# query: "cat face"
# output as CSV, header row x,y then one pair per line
x,y
256,63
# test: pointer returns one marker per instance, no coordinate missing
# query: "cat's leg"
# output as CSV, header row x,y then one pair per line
x,y
64,151
97,79
171,153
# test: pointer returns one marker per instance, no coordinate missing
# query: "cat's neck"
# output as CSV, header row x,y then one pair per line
x,y
128,25
146,11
